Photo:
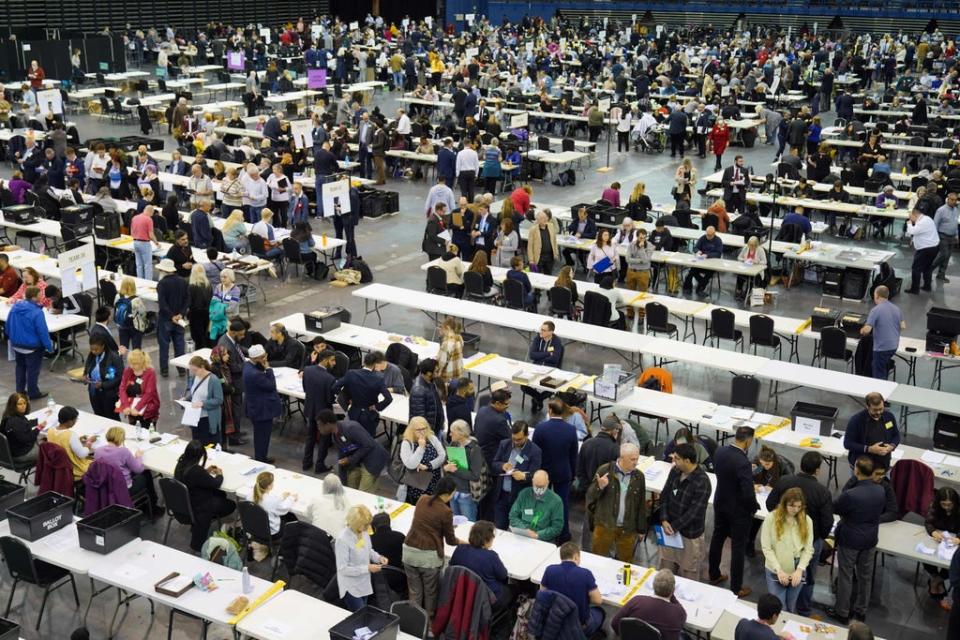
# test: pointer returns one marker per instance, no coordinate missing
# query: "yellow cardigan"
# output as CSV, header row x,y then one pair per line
x,y
789,551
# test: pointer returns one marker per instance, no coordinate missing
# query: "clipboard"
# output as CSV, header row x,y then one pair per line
x,y
177,590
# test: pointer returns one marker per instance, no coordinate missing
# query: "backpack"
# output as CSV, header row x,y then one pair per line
x,y
123,312
139,315
480,488
652,383
357,263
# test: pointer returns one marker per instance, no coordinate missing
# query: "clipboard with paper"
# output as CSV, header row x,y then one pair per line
x,y
673,541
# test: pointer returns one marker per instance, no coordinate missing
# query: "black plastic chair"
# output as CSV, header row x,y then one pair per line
x,y
833,346
437,281
657,320
176,502
256,526
597,311
413,620
291,251
23,567
513,296
637,629
543,143
745,392
567,144
722,327
108,293
7,462
762,334
473,287
561,302
342,364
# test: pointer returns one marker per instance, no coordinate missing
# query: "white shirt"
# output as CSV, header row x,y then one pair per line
x,y
275,506
924,233
403,125
254,191
467,161
276,193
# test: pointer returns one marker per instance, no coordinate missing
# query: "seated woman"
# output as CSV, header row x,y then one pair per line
x,y
683,436
329,509
137,477
479,557
203,483
21,431
752,253
264,229
479,265
450,262
276,506
303,234
565,280
517,273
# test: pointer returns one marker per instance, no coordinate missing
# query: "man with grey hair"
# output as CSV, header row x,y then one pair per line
x,y
662,610
616,500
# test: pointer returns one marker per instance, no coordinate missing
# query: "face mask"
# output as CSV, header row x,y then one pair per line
x,y
539,491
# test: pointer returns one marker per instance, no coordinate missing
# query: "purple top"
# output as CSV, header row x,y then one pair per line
x,y
120,457
612,196
18,188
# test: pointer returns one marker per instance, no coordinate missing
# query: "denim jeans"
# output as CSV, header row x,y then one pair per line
x,y
253,213
167,331
594,621
352,602
805,600
398,80
463,505
143,252
881,360
28,372
787,595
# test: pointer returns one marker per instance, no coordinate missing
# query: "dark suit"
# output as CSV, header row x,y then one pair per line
x,y
734,196
104,400
364,388
318,389
734,504
236,353
559,445
488,233
529,461
359,448
490,428
447,165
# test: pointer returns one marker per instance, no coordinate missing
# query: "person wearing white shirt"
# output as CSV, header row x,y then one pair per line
x,y
356,559
403,123
199,186
280,189
255,192
644,124
277,506
468,165
624,124
926,243
329,510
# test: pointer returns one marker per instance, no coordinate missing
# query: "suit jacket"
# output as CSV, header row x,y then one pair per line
x,y
364,388
359,448
535,243
532,462
728,178
447,162
491,427
237,352
318,389
111,370
490,233
558,443
260,391
100,330
735,495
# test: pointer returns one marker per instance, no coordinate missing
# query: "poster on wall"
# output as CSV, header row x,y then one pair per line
x,y
336,198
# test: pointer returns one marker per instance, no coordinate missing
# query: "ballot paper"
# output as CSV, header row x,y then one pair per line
x,y
609,587
62,540
191,414
741,610
952,461
130,571
932,457
277,627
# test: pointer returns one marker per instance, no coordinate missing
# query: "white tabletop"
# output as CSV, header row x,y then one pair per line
x,y
901,539
62,548
735,612
826,379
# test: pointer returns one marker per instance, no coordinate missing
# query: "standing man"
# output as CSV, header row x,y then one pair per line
x,y
859,508
236,356
144,242
945,220
26,329
734,504
361,459
378,148
425,397
872,432
324,164
447,163
365,131
926,243
491,427
467,167
735,180
438,193
558,442
683,510
318,384
367,391
677,129
173,300
616,502
262,400
819,508
516,461
884,323
201,224
599,450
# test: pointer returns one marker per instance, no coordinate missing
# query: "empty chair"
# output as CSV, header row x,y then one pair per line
x,y
762,334
745,392
567,145
657,320
723,327
413,619
833,346
561,302
24,469
543,143
176,501
24,568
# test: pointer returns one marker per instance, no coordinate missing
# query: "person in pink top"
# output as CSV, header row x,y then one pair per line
x,y
612,194
138,477
31,278
144,241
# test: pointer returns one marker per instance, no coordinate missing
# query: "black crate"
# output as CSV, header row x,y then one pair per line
x,y
20,213
76,214
40,516
383,624
851,323
392,202
823,317
109,529
106,226
832,284
10,495
946,433
9,630
943,320
825,416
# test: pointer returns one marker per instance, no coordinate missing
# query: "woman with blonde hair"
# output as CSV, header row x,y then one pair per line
x,y
235,232
786,538
137,477
198,313
356,558
685,179
423,456
751,253
639,203
130,314
450,353
139,399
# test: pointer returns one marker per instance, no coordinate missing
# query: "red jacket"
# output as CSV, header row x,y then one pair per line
x,y
54,471
463,613
720,136
912,483
9,281
521,200
149,404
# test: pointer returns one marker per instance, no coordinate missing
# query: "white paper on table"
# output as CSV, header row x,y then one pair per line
x,y
275,626
897,454
953,461
741,610
191,414
806,426
130,571
62,540
609,587
933,457
794,629
686,592
652,473
762,418
925,550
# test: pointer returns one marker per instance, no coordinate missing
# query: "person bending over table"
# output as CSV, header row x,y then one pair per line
x,y
479,557
708,246
137,477
752,253
578,584
361,459
768,612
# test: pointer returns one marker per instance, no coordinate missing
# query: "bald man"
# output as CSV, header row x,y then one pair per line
x,y
538,511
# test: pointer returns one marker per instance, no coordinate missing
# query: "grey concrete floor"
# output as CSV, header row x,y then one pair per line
x,y
391,245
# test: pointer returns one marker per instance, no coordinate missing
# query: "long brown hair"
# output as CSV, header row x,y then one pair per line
x,y
780,514
479,262
262,485
564,278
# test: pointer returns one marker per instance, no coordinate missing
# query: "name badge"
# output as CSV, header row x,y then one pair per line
x,y
528,512
520,459
549,349
359,544
889,424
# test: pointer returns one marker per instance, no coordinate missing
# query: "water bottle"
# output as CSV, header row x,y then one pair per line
x,y
218,448
626,575
246,585
51,404
379,503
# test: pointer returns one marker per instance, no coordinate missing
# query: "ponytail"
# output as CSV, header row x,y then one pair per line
x,y
262,485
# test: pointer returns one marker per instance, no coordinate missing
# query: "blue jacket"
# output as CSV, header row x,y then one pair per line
x,y
589,228
559,445
293,214
200,225
710,248
459,408
355,443
532,461
446,162
554,617
855,438
546,352
261,400
364,387
27,326
754,630
860,508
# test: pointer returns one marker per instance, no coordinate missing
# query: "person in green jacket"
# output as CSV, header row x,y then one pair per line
x,y
616,505
538,511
